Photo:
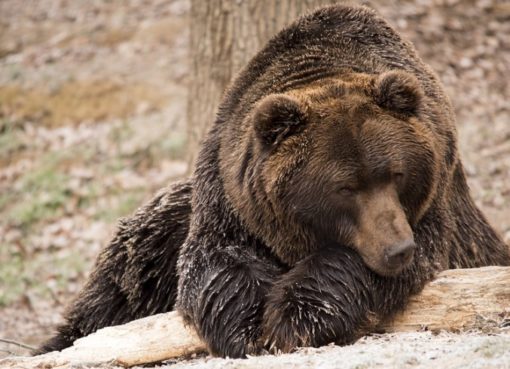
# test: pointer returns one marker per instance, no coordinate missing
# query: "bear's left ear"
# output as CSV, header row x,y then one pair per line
x,y
276,117
398,91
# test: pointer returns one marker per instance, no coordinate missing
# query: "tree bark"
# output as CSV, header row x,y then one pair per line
x,y
458,300
225,35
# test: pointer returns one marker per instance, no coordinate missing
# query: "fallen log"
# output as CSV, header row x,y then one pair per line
x,y
457,300
147,340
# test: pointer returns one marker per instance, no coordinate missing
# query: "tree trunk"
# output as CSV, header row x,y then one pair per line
x,y
225,35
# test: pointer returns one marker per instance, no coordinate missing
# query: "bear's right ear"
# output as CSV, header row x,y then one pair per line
x,y
276,117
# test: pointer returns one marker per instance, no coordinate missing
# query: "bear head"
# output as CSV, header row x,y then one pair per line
x,y
339,163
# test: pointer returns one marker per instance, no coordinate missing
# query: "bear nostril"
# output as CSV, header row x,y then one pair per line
x,y
401,253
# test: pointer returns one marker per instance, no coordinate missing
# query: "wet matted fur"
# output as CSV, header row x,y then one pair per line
x,y
333,148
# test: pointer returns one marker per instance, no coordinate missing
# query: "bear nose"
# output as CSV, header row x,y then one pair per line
x,y
400,254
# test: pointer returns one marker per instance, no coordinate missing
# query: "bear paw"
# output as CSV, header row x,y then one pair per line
x,y
289,325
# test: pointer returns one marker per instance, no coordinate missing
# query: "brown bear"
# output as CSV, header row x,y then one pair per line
x,y
328,190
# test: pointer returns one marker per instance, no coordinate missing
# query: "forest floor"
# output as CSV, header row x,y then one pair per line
x,y
92,123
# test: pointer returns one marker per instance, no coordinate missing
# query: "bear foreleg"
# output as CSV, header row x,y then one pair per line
x,y
222,294
327,297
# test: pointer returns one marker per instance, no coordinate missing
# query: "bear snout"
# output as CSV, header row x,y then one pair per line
x,y
400,255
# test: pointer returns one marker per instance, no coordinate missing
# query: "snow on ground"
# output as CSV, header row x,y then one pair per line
x,y
398,350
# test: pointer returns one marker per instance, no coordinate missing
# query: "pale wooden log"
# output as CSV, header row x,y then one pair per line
x,y
147,340
456,300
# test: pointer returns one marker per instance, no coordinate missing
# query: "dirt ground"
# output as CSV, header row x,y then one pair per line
x,y
92,122
400,351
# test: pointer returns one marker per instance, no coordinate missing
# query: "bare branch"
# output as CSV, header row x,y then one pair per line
x,y
16,343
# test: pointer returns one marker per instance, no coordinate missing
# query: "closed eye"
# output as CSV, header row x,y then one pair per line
x,y
398,176
346,191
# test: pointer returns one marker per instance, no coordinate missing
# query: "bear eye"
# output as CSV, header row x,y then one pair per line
x,y
346,191
398,177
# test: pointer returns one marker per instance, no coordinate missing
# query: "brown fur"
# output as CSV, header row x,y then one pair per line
x,y
328,191
331,147
135,275
352,149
